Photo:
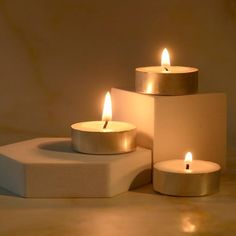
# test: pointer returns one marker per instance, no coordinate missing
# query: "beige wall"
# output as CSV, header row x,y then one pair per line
x,y
58,57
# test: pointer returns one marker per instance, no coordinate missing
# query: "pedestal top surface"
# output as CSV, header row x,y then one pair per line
x,y
53,151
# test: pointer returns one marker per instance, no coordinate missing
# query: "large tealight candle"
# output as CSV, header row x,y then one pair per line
x,y
166,79
186,177
103,137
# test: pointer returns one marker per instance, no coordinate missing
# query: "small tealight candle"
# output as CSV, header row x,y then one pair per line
x,y
166,79
186,177
104,137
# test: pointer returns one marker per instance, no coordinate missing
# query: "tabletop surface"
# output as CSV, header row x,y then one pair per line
x,y
137,212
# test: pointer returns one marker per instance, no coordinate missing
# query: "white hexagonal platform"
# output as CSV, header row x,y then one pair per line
x,y
47,167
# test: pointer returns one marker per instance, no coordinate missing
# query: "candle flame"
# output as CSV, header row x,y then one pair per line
x,y
107,108
165,58
188,157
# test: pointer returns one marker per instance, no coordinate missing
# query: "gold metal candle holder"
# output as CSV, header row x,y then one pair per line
x,y
176,182
104,137
158,81
90,137
166,79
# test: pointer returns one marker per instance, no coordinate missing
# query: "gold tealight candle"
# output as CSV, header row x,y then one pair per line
x,y
186,177
166,79
104,137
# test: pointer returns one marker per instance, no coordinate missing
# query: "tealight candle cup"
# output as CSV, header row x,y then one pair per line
x,y
90,137
172,178
178,80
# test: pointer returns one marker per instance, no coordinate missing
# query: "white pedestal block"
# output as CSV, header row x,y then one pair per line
x,y
174,125
47,167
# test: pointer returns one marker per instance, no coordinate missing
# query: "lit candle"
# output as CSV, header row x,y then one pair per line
x,y
105,136
186,177
166,79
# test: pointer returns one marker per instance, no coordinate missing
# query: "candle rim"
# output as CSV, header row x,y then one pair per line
x,y
107,130
146,69
215,167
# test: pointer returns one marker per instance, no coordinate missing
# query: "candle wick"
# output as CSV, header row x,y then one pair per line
x,y
105,124
187,166
166,68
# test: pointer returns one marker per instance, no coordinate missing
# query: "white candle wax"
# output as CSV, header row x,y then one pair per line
x,y
171,69
97,126
195,167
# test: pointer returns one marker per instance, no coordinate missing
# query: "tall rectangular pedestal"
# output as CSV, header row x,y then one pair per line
x,y
173,125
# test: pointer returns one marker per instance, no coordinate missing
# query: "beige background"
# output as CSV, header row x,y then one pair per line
x,y
58,57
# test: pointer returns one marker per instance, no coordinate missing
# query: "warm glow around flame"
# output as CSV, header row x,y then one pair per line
x,y
188,157
107,108
165,58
